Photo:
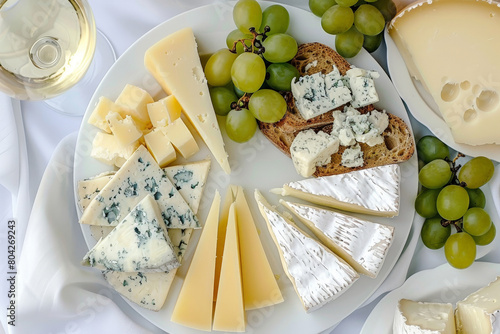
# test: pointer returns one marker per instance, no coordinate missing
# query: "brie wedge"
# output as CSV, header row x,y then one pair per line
x,y
423,318
359,242
372,191
317,274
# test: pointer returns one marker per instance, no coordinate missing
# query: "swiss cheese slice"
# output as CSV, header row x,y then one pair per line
x,y
175,64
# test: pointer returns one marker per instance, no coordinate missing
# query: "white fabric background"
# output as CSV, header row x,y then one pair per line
x,y
31,137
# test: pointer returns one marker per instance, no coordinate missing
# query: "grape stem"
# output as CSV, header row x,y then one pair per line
x,y
455,168
256,45
456,223
242,102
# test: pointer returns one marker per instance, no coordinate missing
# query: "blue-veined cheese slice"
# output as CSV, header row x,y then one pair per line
x,y
90,187
138,177
317,274
139,243
361,243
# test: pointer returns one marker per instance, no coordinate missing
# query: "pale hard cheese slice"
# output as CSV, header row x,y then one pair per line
x,y
194,306
479,313
361,243
317,274
175,64
89,188
452,48
423,318
190,180
138,243
372,191
138,177
229,314
260,288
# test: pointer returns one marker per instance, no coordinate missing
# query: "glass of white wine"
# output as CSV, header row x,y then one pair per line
x,y
47,47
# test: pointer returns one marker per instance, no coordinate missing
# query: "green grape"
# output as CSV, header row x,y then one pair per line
x,y
425,203
247,14
387,8
319,7
280,75
277,18
452,202
460,250
337,20
476,198
236,35
218,67
349,43
476,172
248,72
433,234
346,3
240,125
369,20
280,48
371,43
431,148
476,221
239,92
486,238
222,98
435,174
267,105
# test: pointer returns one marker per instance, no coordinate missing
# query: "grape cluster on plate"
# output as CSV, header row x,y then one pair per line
x,y
247,79
356,23
452,196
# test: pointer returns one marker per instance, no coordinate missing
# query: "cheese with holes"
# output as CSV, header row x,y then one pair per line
x,y
317,274
413,317
361,243
194,306
452,48
175,64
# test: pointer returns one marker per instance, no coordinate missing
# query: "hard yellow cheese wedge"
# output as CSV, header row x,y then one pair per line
x,y
175,64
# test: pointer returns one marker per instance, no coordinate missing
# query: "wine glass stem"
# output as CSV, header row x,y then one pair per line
x,y
45,52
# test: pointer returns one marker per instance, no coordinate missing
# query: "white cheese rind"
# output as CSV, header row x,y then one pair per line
x,y
361,243
373,191
138,177
139,242
413,317
318,275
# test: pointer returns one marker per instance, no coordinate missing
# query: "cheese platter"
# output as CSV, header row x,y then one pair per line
x,y
250,168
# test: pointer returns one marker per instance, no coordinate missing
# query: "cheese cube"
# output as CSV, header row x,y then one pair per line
x,y
182,139
173,106
160,147
164,111
124,128
136,99
102,109
107,149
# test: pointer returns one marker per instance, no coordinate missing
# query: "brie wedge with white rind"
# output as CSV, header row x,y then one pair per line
x,y
423,318
373,191
361,243
479,313
139,243
317,274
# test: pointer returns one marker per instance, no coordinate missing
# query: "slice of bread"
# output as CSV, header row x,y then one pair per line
x,y
398,146
323,58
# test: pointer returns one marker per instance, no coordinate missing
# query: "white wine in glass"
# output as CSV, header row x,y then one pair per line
x,y
46,46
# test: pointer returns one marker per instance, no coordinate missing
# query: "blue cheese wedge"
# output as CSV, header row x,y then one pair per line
x,y
90,187
414,317
361,243
317,274
372,191
138,177
362,87
139,243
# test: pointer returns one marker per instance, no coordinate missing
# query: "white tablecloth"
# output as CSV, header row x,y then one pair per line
x,y
122,22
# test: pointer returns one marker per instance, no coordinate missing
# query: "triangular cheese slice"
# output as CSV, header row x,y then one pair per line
x,y
425,318
138,243
359,242
260,288
89,188
229,315
175,64
317,274
194,306
139,176
373,191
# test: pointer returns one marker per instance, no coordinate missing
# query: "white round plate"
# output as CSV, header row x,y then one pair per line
x,y
255,164
423,107
443,284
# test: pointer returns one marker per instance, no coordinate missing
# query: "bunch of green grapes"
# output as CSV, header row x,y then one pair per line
x,y
248,77
356,23
452,196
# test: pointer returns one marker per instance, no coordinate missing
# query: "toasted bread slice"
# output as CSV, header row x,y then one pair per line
x,y
398,146
323,58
